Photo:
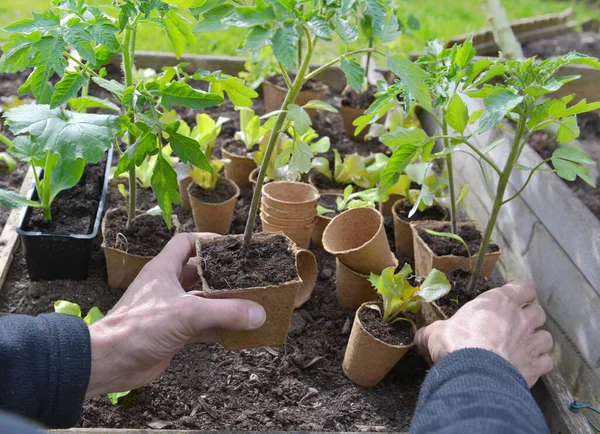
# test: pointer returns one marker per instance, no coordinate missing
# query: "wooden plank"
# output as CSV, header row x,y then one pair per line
x,y
9,236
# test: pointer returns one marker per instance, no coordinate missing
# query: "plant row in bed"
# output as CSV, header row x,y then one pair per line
x,y
414,181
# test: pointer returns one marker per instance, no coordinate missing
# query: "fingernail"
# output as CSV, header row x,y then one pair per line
x,y
256,316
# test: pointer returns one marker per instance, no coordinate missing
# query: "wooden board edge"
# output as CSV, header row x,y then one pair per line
x,y
9,236
169,431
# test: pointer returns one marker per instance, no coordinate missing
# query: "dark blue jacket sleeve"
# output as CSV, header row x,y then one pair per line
x,y
476,391
44,367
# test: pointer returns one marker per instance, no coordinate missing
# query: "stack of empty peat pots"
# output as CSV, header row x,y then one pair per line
x,y
291,208
358,240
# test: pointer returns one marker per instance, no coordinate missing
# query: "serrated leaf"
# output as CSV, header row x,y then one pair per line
x,y
40,22
320,28
67,88
184,95
320,105
87,102
165,186
189,151
355,74
17,52
396,165
405,136
67,308
112,86
497,106
178,31
457,114
301,156
492,146
79,38
567,162
104,33
464,54
72,135
285,46
10,199
568,130
413,77
257,38
237,91
300,118
136,154
347,31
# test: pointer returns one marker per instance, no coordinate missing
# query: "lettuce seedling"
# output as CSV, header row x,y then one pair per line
x,y
399,296
251,131
349,200
346,171
93,315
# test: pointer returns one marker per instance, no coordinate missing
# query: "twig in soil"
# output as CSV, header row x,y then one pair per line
x,y
271,351
125,243
311,392
207,409
312,362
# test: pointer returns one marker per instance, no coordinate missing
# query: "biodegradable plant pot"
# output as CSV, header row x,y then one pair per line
x,y
352,288
254,176
368,359
288,222
403,234
123,267
288,215
290,196
183,193
426,260
239,168
61,256
357,238
298,234
278,300
349,115
213,217
323,221
308,271
274,95
385,208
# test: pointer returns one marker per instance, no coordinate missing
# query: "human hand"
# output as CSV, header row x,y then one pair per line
x,y
136,341
503,320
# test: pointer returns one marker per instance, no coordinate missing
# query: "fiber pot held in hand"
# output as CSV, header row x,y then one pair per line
x,y
267,274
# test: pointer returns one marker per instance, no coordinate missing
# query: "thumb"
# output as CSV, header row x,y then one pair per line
x,y
422,340
200,314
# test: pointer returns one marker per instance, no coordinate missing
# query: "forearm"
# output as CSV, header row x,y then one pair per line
x,y
44,367
475,390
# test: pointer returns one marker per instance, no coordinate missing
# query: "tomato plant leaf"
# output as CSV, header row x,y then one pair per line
x,y
189,151
67,88
567,162
285,43
300,118
413,78
497,106
355,74
165,186
184,95
457,114
346,30
320,105
87,102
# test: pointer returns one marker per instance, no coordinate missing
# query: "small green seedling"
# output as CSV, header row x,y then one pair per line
x,y
251,131
452,236
93,315
346,171
360,199
400,297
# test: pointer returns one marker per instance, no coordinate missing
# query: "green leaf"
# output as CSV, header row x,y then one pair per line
x,y
320,105
413,77
285,43
81,40
322,165
497,106
72,135
65,175
449,235
178,31
300,118
405,136
165,187
237,91
189,151
93,315
492,146
321,146
184,95
87,102
321,210
112,86
463,195
9,161
40,22
435,286
347,31
257,38
67,308
10,199
355,74
17,52
104,32
48,58
136,154
115,396
396,165
67,88
567,163
300,157
413,22
457,114
568,130
320,28
465,53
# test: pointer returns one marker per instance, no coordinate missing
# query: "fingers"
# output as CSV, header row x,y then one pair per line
x,y
178,251
421,341
189,274
542,343
201,314
535,315
541,366
521,292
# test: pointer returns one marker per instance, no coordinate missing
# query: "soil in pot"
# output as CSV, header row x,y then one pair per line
x,y
394,333
323,183
444,246
458,295
221,193
329,201
362,100
149,236
237,147
435,213
311,85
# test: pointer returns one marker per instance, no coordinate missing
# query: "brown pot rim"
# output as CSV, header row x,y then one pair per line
x,y
284,89
275,184
355,249
104,246
295,223
431,224
398,347
311,181
324,217
397,216
207,289
351,271
266,207
231,155
215,204
276,225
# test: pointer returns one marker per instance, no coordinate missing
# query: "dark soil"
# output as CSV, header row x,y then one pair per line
x,y
74,211
444,246
330,202
458,295
236,147
312,84
148,237
221,193
357,100
585,43
435,213
322,183
268,262
396,333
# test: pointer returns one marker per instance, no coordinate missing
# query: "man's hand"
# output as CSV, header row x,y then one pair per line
x,y
505,321
155,318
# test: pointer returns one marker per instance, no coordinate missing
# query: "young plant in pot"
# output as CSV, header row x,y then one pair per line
x,y
383,332
349,170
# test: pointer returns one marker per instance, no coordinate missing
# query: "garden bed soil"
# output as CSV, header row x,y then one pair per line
x,y
330,202
222,192
395,333
267,262
311,85
444,246
148,237
435,213
584,43
362,100
74,210
458,295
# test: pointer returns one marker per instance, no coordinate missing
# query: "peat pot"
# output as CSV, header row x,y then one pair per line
x,y
213,217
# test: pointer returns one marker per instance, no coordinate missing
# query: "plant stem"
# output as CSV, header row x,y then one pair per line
x,y
45,199
450,176
368,65
498,200
336,60
128,62
5,140
281,117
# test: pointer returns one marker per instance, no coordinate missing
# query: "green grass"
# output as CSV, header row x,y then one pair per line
x,y
438,20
